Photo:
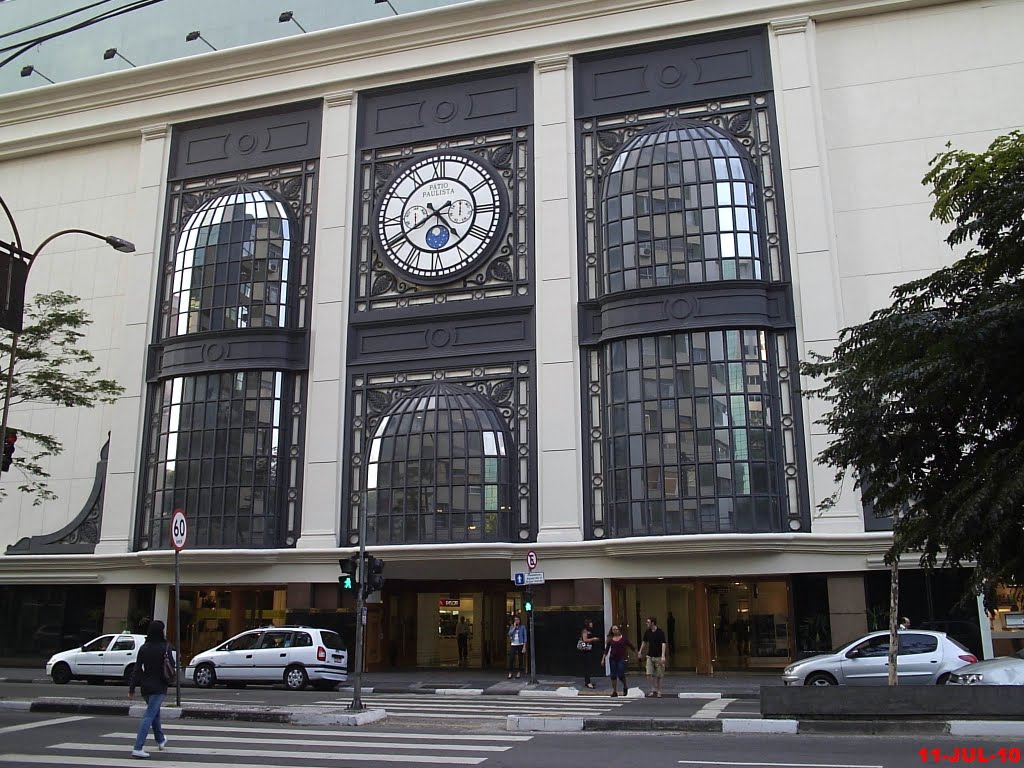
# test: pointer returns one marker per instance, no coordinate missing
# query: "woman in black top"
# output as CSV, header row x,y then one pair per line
x,y
149,675
592,644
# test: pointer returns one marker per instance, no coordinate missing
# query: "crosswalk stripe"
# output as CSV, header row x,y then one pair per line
x,y
114,762
180,738
227,729
289,755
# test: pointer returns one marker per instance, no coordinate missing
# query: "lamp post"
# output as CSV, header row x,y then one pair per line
x,y
17,251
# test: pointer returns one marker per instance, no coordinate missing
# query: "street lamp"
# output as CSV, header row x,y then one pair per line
x,y
14,251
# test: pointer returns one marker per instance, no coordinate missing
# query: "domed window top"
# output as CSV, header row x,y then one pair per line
x,y
440,467
231,265
680,205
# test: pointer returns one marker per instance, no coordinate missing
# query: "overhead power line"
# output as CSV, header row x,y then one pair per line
x,y
52,19
23,47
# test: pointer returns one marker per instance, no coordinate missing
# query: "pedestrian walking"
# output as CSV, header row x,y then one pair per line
x,y
516,648
654,647
148,674
587,646
462,637
617,651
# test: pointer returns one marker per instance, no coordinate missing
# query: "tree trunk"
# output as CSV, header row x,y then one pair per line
x,y
894,608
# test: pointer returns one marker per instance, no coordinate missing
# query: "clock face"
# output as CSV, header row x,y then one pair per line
x,y
441,216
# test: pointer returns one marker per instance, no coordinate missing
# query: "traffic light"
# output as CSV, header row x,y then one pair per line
x,y
349,574
375,574
9,441
528,601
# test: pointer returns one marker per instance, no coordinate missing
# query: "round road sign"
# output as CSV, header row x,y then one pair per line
x,y
179,530
531,559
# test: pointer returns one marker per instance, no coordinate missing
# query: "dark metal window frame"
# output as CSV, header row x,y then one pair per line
x,y
282,352
737,304
441,469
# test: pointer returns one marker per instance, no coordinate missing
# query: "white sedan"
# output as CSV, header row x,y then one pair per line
x,y
1003,670
106,657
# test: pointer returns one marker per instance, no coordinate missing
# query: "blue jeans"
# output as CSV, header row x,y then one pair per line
x,y
151,718
618,672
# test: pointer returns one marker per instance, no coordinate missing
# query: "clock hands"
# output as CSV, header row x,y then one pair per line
x,y
437,212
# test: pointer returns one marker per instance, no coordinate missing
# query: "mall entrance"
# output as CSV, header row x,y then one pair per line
x,y
444,626
712,625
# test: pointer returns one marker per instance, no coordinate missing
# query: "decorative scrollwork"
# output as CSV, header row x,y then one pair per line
x,y
500,270
377,401
501,157
189,203
610,141
501,392
739,124
384,171
383,283
291,190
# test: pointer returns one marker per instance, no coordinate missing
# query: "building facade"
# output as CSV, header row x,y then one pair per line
x,y
540,286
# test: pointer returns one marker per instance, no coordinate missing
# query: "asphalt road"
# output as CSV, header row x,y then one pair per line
x,y
88,741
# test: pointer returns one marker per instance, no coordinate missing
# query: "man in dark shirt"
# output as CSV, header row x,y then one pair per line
x,y
654,648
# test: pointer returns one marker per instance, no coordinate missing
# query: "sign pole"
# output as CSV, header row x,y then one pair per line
x,y
533,652
177,627
179,534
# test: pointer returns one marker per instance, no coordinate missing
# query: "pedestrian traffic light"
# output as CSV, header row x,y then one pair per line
x,y
9,441
349,574
375,574
528,602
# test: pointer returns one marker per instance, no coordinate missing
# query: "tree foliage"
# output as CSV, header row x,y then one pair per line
x,y
50,368
926,396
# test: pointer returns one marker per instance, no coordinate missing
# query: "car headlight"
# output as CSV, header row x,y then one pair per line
x,y
971,679
788,671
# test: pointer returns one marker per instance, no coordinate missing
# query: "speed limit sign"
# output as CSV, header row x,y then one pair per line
x,y
179,530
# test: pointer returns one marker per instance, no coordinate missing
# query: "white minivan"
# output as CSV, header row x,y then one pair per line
x,y
296,656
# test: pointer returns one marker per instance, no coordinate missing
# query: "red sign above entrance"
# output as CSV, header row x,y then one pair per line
x,y
449,603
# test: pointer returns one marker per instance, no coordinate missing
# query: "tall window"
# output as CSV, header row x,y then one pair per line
x,y
690,443
218,456
440,469
679,206
218,440
691,447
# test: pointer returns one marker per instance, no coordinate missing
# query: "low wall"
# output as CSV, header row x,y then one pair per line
x,y
986,702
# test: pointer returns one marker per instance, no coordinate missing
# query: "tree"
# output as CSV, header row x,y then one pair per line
x,y
926,397
50,367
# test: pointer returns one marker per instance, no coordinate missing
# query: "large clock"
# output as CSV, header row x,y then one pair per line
x,y
441,216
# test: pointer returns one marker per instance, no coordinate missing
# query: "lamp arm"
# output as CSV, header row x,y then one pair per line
x,y
10,218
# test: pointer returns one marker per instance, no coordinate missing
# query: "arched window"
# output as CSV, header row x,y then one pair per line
x,y
440,468
679,205
231,265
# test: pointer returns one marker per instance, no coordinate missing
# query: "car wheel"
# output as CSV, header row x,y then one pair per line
x,y
295,678
820,679
128,672
205,677
61,674
943,679
325,685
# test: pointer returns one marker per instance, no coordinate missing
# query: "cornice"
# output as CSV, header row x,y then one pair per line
x,y
26,569
116,105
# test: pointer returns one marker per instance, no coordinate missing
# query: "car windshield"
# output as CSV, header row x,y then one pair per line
x,y
332,640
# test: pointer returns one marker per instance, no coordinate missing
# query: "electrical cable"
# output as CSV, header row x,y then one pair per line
x,y
27,46
54,18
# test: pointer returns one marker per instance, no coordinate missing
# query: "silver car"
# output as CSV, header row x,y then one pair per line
x,y
925,658
1003,670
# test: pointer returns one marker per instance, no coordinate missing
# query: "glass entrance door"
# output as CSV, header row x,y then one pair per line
x,y
750,624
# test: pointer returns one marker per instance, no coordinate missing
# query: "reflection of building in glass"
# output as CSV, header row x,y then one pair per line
x,y
440,469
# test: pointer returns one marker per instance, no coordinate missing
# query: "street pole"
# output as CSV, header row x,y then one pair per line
x,y
177,628
361,571
533,652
